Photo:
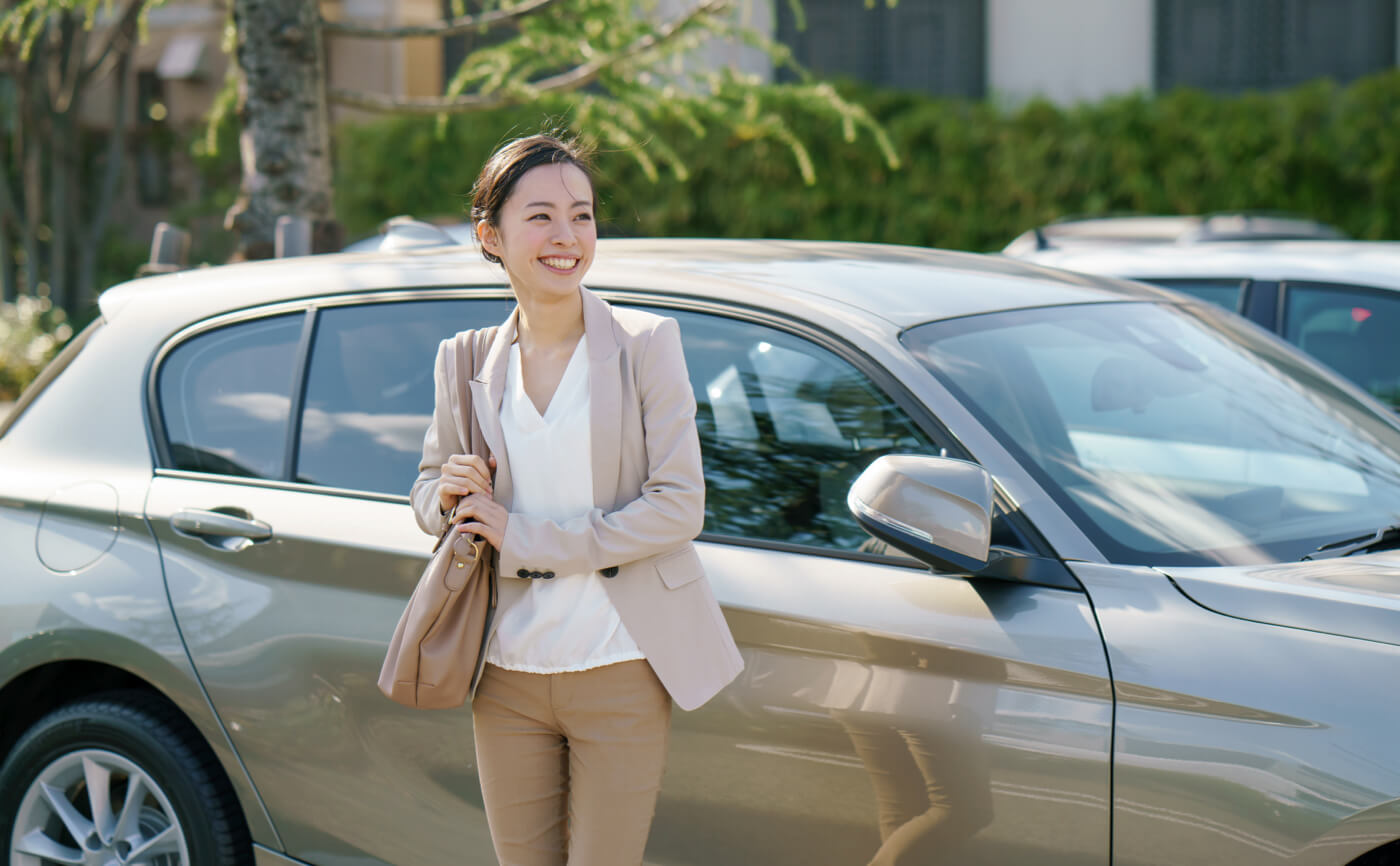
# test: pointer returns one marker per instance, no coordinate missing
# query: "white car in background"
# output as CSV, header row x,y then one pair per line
x,y
1338,300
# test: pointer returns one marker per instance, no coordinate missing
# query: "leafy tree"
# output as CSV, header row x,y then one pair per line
x,y
627,57
56,194
627,61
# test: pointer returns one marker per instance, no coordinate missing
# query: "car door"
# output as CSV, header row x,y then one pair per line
x,y
289,441
886,714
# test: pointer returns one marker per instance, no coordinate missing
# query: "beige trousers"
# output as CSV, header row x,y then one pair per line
x,y
571,763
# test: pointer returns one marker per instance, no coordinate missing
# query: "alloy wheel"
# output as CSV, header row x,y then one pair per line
x,y
93,807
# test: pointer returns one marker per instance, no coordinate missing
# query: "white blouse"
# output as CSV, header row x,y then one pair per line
x,y
567,622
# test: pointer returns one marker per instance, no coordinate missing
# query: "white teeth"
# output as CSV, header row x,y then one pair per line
x,y
561,264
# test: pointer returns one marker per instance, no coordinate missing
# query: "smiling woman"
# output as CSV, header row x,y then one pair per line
x,y
591,493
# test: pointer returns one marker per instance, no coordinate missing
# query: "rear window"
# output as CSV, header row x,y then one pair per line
x,y
226,398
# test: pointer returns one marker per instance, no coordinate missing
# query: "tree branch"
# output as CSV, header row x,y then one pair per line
x,y
452,27
579,76
119,39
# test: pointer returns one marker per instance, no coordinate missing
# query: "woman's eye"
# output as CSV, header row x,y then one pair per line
x,y
586,217
540,216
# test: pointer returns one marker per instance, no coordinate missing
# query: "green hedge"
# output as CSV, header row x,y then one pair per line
x,y
973,177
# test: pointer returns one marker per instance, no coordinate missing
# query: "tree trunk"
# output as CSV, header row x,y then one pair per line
x,y
111,176
63,163
9,229
32,180
285,143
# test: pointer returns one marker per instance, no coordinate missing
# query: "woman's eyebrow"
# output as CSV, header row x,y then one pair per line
x,y
550,204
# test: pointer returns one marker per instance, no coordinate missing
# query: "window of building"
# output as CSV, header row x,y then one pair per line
x,y
933,46
457,48
1234,45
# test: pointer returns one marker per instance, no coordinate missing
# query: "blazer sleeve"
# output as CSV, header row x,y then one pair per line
x,y
439,442
671,509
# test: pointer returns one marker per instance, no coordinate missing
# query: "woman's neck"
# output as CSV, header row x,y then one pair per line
x,y
553,324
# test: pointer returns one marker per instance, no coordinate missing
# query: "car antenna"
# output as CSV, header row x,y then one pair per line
x,y
1041,241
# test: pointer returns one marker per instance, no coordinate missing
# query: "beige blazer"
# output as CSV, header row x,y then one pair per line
x,y
648,493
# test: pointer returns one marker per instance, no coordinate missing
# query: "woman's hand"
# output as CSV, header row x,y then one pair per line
x,y
481,514
464,475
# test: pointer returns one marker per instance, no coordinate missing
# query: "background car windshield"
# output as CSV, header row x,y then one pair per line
x,y
1176,435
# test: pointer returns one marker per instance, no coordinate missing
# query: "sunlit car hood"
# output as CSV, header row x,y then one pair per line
x,y
1358,596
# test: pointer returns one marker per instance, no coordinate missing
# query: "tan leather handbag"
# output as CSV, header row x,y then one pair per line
x,y
439,646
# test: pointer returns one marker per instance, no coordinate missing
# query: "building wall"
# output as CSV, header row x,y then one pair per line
x,y
1069,50
757,15
1083,50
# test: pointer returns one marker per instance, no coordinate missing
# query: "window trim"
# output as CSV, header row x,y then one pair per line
x,y
300,378
279,484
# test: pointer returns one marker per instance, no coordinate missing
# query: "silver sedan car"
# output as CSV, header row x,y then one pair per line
x,y
1337,300
1028,567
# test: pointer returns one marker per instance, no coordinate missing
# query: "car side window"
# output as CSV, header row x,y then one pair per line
x,y
785,427
226,397
369,389
1225,293
1350,329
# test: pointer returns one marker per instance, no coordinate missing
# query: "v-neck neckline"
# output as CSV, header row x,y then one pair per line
x,y
523,397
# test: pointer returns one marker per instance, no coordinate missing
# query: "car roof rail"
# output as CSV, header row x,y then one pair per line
x,y
1260,226
170,251
291,237
1165,229
405,232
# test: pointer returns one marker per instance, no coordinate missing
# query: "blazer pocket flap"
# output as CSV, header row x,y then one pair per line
x,y
679,568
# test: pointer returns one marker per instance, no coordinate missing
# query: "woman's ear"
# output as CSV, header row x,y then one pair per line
x,y
489,237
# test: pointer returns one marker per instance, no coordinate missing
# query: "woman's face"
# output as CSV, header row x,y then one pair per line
x,y
545,234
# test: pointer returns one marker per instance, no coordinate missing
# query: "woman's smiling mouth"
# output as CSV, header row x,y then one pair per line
x,y
560,263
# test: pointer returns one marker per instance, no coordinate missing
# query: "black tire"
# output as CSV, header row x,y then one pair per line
x,y
129,734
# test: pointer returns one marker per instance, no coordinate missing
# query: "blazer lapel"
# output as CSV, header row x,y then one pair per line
x,y
604,398
487,389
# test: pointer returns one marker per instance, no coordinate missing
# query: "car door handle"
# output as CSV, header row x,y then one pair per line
x,y
226,531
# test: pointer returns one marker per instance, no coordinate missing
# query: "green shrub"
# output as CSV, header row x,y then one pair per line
x,y
31,332
973,175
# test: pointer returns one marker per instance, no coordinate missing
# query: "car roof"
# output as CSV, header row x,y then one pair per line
x,y
1178,228
1371,263
899,285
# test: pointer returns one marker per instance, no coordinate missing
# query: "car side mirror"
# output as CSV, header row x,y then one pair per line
x,y
936,509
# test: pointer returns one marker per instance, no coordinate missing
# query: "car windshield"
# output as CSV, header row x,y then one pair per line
x,y
1176,435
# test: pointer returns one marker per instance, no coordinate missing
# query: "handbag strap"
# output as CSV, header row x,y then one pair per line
x,y
472,348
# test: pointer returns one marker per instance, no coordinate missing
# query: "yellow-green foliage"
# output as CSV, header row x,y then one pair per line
x,y
972,176
31,331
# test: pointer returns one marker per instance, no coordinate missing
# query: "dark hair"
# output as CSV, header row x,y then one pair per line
x,y
509,163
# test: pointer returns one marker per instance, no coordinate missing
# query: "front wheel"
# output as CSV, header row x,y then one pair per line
x,y
122,778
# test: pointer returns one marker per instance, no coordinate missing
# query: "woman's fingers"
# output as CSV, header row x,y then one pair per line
x,y
484,516
492,536
468,472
